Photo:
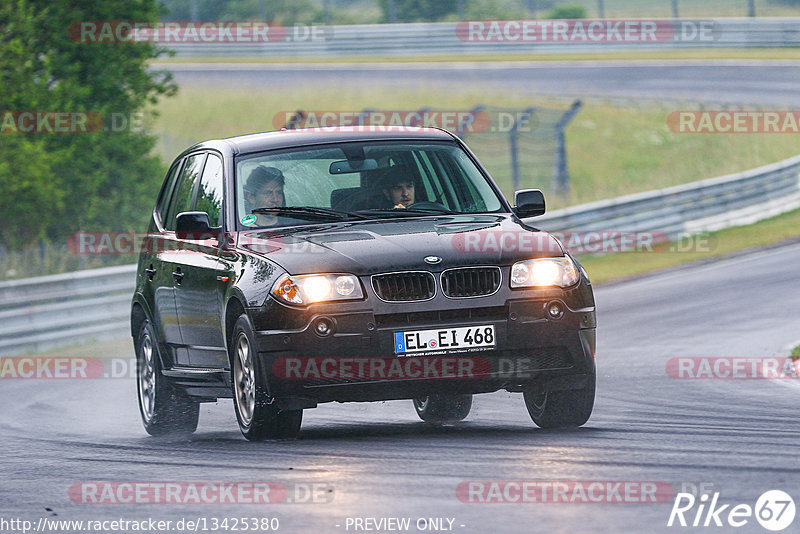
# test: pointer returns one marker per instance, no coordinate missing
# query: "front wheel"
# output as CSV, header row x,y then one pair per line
x,y
164,408
259,417
443,408
558,409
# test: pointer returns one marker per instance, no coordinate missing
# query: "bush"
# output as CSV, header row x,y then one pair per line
x,y
418,10
567,11
493,10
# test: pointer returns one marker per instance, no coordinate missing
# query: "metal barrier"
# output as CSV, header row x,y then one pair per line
x,y
41,313
707,205
49,311
416,39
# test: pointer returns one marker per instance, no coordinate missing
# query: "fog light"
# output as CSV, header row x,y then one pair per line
x,y
555,310
323,327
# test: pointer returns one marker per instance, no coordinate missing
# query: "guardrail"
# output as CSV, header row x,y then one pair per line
x,y
414,39
49,311
45,312
707,205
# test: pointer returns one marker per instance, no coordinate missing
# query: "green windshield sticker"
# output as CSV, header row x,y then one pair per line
x,y
249,220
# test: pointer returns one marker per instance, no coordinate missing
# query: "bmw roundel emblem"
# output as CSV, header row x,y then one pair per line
x,y
433,260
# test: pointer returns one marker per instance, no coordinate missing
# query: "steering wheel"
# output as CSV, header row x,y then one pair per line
x,y
427,205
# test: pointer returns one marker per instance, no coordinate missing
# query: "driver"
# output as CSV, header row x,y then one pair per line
x,y
264,189
398,188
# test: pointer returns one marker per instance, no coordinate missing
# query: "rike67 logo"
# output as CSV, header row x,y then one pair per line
x,y
774,510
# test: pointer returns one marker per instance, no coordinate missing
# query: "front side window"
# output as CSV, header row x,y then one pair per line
x,y
183,195
209,193
359,180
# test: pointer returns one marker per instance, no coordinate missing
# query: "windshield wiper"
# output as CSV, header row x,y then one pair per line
x,y
411,211
310,213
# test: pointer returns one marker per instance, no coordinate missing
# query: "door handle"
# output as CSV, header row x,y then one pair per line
x,y
177,275
151,272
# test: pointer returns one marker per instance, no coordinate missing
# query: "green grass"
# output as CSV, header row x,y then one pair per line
x,y
689,8
707,54
612,151
615,151
795,355
713,245
106,349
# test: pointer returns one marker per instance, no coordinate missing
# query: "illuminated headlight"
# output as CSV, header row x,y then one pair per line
x,y
560,272
312,288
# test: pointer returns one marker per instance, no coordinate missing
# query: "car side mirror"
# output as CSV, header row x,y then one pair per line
x,y
529,203
195,223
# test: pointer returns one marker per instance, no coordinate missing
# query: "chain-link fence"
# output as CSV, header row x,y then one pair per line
x,y
525,148
374,11
522,147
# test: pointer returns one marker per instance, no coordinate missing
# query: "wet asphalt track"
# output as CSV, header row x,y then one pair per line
x,y
740,82
743,436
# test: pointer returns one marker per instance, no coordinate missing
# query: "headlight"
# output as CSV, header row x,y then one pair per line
x,y
312,288
543,272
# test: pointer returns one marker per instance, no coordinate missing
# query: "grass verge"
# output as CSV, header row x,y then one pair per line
x,y
121,347
699,54
716,245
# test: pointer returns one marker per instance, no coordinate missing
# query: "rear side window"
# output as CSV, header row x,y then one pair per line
x,y
184,191
209,194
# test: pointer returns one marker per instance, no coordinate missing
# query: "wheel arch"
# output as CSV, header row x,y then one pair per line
x,y
233,310
140,312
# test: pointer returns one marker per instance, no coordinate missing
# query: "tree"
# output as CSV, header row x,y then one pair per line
x,y
568,11
53,184
419,10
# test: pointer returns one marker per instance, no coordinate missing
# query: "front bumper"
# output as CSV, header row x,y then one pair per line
x,y
357,362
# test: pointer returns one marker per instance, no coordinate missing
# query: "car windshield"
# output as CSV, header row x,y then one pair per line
x,y
356,181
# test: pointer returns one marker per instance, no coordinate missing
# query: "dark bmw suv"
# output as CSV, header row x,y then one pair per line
x,y
291,268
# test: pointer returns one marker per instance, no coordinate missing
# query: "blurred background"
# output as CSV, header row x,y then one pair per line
x,y
382,11
584,122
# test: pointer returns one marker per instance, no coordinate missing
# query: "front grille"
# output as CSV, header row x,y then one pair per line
x,y
470,282
404,287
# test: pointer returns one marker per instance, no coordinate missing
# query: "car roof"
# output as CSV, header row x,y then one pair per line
x,y
258,142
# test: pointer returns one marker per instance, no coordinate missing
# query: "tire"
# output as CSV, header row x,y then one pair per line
x,y
443,408
165,409
561,409
258,416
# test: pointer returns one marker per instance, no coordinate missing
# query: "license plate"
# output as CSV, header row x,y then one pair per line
x,y
461,339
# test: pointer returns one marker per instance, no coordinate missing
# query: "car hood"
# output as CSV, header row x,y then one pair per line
x,y
369,247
